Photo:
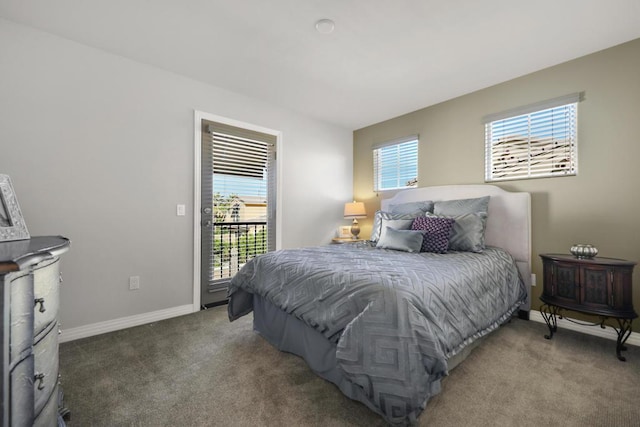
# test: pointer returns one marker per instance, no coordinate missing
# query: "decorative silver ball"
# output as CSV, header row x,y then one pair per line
x,y
584,251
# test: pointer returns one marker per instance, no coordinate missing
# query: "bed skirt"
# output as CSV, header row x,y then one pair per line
x,y
287,333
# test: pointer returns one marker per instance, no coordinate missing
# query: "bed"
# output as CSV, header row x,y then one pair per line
x,y
383,325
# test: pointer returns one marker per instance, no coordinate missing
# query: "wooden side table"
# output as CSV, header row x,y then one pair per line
x,y
346,240
597,286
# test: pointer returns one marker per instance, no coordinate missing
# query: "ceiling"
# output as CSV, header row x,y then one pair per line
x,y
385,58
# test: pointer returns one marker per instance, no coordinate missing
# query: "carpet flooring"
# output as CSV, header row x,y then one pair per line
x,y
201,370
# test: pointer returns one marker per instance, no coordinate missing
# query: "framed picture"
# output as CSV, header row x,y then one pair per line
x,y
344,231
12,226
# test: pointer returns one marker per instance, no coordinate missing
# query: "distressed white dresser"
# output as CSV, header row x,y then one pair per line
x,y
29,301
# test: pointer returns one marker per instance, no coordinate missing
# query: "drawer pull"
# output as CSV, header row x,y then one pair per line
x,y
41,302
39,377
60,278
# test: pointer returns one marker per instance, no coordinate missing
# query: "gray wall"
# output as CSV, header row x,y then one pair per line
x,y
100,149
599,206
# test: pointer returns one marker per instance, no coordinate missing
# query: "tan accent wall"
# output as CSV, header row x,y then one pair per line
x,y
600,206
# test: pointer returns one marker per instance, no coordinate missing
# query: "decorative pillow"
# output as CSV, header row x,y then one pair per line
x,y
397,224
461,206
380,215
436,233
400,240
411,207
468,231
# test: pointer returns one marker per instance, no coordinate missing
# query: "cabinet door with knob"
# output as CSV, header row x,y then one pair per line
x,y
596,291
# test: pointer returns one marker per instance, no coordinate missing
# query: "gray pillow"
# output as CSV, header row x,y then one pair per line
x,y
411,207
468,231
461,206
400,240
398,224
380,215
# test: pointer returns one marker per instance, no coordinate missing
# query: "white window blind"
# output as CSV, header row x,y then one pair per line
x,y
541,143
395,164
239,176
240,166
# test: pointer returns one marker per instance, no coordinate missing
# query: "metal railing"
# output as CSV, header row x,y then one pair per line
x,y
235,243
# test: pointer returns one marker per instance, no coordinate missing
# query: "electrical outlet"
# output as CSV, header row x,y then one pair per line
x,y
180,210
533,279
134,283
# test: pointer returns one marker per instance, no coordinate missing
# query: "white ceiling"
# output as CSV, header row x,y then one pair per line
x,y
385,57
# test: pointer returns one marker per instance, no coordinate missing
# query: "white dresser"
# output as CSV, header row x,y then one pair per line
x,y
29,302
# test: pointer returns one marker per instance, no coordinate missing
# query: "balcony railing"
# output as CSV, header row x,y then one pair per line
x,y
235,243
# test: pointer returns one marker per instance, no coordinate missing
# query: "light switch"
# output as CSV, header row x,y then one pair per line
x,y
180,210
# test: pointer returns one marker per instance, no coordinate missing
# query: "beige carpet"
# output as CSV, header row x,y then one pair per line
x,y
201,370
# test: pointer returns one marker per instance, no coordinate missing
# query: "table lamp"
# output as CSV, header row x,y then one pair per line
x,y
354,211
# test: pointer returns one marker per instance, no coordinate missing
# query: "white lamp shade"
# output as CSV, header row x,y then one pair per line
x,y
354,210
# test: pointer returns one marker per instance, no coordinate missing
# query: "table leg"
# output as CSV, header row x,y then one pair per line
x,y
549,313
623,331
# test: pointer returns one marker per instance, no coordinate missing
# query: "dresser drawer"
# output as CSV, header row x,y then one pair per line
x,y
46,289
45,354
21,386
21,316
49,415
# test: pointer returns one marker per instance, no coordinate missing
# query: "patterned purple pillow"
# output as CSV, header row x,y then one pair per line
x,y
436,233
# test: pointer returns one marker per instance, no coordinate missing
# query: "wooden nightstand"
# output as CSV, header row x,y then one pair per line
x,y
597,286
346,240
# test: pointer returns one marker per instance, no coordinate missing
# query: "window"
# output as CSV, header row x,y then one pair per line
x,y
395,164
537,141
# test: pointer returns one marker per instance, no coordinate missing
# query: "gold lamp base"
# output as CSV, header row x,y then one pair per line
x,y
355,229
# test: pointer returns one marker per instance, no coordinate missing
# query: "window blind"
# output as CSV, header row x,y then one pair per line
x,y
538,144
240,162
395,164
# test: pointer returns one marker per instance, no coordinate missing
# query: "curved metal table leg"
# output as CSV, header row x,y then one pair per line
x,y
623,331
549,313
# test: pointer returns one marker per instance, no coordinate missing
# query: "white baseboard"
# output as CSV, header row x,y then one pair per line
x,y
608,332
155,316
123,323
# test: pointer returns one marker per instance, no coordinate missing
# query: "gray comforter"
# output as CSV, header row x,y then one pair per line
x,y
395,317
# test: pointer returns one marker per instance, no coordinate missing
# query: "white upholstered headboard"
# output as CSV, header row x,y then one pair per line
x,y
508,222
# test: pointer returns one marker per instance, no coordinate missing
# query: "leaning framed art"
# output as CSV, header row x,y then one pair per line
x,y
12,225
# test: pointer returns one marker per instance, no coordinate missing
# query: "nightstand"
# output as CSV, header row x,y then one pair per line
x,y
346,240
597,286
